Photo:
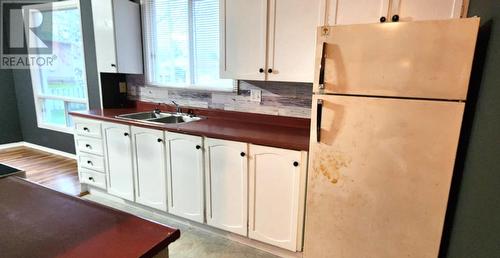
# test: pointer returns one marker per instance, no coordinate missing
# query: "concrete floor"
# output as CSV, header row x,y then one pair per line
x,y
193,243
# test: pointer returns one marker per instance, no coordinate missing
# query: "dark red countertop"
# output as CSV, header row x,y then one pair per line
x,y
267,130
39,222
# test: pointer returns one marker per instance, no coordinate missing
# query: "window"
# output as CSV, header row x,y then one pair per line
x,y
182,44
62,87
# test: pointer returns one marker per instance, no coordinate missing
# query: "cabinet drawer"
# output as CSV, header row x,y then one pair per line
x,y
92,178
88,128
89,145
91,162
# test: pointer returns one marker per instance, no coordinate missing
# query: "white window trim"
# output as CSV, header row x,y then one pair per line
x,y
147,56
35,73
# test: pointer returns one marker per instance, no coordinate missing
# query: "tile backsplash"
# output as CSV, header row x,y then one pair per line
x,y
278,98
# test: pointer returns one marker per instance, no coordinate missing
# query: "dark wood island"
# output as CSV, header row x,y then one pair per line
x,y
39,222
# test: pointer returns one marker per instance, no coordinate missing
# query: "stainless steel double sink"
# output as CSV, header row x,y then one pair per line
x,y
156,117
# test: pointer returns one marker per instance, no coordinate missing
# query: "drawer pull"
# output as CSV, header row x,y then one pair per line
x,y
242,154
91,179
86,129
88,146
159,140
90,162
198,147
295,164
125,134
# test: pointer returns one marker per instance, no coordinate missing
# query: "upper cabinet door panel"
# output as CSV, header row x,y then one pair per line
x,y
291,40
102,14
243,39
356,11
415,10
128,36
427,59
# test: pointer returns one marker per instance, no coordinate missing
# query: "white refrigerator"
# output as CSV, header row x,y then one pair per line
x,y
387,110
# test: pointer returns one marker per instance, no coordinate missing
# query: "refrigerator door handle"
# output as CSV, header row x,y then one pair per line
x,y
321,82
318,120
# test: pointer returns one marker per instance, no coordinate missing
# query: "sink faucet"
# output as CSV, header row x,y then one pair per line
x,y
177,107
157,109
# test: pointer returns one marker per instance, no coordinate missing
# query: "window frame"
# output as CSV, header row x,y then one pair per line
x,y
36,78
148,54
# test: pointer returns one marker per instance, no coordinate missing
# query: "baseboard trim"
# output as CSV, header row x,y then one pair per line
x,y
37,147
11,145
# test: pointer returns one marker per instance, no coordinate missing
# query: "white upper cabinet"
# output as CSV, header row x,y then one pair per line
x,y
226,185
269,39
291,39
276,196
119,160
117,33
342,12
356,11
414,10
150,169
185,176
243,39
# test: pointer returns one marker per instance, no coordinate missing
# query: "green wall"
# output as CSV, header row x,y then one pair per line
x,y
10,129
473,222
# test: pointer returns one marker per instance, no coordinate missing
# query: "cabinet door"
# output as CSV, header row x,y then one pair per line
x,y
356,11
276,196
185,176
226,181
291,41
127,30
243,39
119,160
102,15
415,10
150,169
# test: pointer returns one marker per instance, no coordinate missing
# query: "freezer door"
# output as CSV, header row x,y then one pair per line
x,y
379,177
425,59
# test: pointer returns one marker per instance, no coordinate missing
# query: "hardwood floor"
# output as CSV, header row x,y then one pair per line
x,y
56,172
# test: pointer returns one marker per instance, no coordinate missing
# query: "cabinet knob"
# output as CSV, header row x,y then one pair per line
x,y
91,178
395,18
242,154
295,164
261,70
88,146
270,70
89,162
125,134
198,147
382,19
113,65
86,129
159,140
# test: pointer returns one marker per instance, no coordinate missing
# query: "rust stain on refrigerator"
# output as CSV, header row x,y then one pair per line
x,y
330,163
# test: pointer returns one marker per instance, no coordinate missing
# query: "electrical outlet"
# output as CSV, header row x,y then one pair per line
x,y
256,95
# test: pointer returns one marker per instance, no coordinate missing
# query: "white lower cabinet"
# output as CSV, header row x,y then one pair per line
x,y
226,168
120,168
249,190
276,196
185,176
150,170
